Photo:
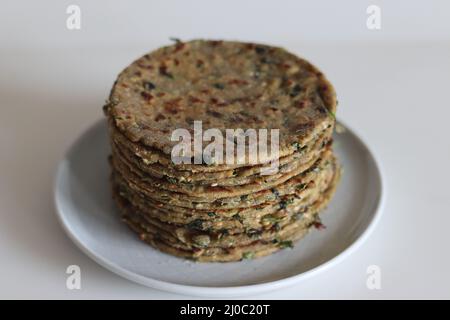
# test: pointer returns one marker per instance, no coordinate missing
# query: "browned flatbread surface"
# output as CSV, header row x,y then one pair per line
x,y
220,212
226,85
223,247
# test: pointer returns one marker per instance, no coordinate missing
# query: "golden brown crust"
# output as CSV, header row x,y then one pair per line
x,y
235,250
221,211
225,85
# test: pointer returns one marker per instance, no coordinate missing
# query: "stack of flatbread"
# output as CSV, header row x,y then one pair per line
x,y
213,210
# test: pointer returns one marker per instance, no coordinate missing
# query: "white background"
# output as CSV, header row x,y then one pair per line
x,y
392,84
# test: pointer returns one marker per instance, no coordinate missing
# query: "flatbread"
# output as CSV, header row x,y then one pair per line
x,y
226,85
163,241
242,200
221,211
234,221
229,177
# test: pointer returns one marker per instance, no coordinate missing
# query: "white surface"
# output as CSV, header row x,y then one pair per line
x,y
88,215
53,83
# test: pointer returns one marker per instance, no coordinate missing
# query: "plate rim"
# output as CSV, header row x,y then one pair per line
x,y
218,291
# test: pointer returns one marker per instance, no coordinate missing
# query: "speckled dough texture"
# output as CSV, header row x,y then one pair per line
x,y
221,212
226,85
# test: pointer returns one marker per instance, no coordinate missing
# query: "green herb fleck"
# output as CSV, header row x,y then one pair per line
x,y
276,226
248,255
253,232
171,180
219,86
275,192
237,217
331,114
301,186
271,218
285,203
211,214
176,40
285,244
295,90
196,224
224,232
297,146
148,85
260,50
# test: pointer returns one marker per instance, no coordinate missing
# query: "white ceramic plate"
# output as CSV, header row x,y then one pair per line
x,y
87,213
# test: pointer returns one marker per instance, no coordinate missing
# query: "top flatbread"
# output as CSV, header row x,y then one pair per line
x,y
226,85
